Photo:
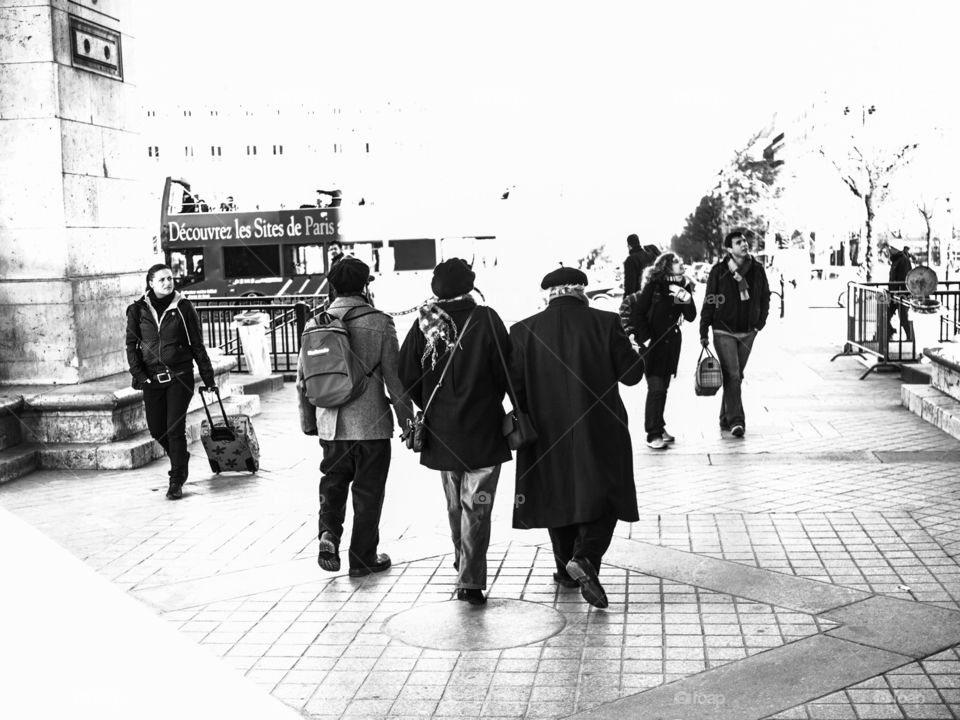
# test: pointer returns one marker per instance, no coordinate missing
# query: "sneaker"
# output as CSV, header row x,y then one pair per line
x,y
737,430
667,437
592,591
471,595
379,565
656,443
327,557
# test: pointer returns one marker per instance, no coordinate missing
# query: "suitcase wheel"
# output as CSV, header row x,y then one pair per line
x,y
252,465
215,466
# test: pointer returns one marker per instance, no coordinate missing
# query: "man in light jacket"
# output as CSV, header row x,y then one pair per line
x,y
356,437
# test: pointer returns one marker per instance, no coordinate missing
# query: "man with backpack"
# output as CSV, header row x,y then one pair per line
x,y
347,357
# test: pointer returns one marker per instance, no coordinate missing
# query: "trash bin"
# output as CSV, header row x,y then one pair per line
x,y
252,328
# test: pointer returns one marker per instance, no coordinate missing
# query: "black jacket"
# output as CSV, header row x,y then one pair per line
x,y
567,363
722,308
633,268
167,344
465,419
900,265
652,314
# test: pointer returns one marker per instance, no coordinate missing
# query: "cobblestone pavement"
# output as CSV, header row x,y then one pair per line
x,y
834,482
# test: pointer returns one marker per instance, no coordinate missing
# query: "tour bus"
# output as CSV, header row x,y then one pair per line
x,y
286,251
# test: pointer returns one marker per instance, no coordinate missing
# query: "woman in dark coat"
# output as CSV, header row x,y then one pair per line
x,y
577,478
164,339
653,316
464,441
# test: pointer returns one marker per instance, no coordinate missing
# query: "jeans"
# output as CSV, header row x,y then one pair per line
x,y
657,386
588,540
166,409
470,497
733,353
364,464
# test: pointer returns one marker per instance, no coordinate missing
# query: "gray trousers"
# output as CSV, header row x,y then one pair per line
x,y
470,495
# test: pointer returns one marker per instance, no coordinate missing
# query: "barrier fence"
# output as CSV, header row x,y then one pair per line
x,y
286,317
872,310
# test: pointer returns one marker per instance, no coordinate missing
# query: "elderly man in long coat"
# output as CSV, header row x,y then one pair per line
x,y
577,478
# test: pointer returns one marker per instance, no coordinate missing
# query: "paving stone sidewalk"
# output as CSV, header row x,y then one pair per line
x,y
835,486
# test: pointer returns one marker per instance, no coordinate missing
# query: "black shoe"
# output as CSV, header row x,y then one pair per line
x,y
327,557
738,431
472,596
564,580
592,591
379,565
175,491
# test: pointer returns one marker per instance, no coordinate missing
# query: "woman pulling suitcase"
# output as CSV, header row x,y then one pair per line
x,y
164,339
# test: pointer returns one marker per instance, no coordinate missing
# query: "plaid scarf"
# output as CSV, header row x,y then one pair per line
x,y
576,291
438,328
739,273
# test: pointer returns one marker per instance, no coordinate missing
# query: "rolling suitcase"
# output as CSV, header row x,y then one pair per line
x,y
230,444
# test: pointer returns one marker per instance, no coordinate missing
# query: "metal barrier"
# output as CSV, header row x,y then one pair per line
x,y
285,324
872,306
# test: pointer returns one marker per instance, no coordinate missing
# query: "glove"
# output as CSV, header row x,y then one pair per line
x,y
704,342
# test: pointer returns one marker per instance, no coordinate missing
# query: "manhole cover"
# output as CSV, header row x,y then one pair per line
x,y
457,625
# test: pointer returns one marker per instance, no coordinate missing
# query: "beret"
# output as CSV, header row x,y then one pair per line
x,y
563,276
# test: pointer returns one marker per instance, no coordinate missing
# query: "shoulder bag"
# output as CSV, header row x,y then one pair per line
x,y
517,426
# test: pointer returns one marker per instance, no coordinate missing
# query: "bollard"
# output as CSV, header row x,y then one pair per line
x,y
301,312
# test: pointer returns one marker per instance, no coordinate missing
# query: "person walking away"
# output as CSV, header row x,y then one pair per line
x,y
900,265
164,340
654,316
736,304
576,479
637,260
355,437
465,441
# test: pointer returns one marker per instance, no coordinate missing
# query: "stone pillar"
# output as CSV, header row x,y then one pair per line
x,y
73,247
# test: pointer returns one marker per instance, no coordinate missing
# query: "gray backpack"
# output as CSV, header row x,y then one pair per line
x,y
333,374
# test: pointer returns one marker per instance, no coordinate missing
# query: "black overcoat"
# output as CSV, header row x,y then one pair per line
x,y
566,364
466,418
657,316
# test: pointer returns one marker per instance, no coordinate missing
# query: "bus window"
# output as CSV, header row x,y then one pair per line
x,y
187,267
303,259
241,261
420,254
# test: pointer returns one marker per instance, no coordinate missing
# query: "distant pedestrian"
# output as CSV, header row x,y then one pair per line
x,y
577,478
164,340
653,315
356,437
900,265
637,261
736,304
465,441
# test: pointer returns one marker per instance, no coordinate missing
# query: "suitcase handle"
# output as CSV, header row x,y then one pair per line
x,y
226,422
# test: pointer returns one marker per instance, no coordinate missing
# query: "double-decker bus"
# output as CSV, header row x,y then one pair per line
x,y
286,251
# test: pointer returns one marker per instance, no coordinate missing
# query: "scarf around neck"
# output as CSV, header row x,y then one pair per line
x,y
574,291
438,328
739,273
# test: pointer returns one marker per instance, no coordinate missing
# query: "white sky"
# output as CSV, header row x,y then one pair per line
x,y
641,102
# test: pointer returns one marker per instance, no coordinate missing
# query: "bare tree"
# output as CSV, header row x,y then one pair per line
x,y
867,174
